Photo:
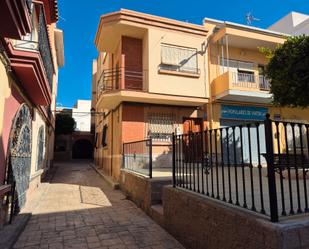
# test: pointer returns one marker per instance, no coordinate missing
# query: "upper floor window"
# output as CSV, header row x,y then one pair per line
x,y
179,59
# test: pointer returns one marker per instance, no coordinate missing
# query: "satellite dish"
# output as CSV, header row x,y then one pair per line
x,y
250,18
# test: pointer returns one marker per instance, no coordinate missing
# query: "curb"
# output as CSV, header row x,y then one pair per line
x,y
108,179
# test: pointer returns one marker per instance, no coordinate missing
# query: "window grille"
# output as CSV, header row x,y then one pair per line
x,y
41,148
179,58
104,136
160,126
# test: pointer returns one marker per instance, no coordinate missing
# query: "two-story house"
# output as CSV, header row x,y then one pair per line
x,y
31,50
150,81
155,76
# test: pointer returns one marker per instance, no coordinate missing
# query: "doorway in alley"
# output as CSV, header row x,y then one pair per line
x,y
82,149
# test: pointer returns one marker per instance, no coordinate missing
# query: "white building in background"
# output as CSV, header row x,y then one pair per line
x,y
81,115
79,144
293,23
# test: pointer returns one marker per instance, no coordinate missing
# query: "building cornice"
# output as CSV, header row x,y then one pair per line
x,y
139,18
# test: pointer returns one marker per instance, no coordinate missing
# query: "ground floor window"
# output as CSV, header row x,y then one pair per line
x,y
104,136
41,148
160,126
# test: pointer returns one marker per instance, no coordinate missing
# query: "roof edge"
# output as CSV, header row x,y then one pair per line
x,y
245,27
152,20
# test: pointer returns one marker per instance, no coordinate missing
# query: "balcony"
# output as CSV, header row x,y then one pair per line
x,y
120,79
244,87
17,14
127,85
242,36
31,60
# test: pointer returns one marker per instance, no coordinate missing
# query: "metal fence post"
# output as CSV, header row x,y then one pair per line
x,y
150,158
123,156
174,160
271,170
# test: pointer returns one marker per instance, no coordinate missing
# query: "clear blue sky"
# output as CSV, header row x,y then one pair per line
x,y
79,20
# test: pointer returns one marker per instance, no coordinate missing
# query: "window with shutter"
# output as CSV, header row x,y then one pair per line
x,y
179,59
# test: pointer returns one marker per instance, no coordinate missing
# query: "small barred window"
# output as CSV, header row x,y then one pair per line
x,y
160,126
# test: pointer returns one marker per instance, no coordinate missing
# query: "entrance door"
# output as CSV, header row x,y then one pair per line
x,y
20,156
192,125
192,144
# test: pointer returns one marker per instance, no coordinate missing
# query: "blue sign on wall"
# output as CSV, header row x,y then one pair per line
x,y
243,112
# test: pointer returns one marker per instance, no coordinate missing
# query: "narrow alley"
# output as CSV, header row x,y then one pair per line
x,y
79,210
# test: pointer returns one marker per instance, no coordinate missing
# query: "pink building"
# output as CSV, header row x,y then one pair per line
x,y
31,50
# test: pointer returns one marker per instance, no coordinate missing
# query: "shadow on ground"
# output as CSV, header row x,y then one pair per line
x,y
79,210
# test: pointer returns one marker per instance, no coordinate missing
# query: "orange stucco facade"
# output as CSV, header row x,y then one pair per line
x,y
145,73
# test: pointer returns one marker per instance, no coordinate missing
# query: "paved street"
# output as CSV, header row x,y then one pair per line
x,y
79,210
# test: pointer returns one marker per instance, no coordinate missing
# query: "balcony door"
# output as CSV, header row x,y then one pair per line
x,y
263,82
132,48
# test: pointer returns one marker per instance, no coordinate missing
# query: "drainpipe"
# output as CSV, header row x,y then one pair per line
x,y
210,94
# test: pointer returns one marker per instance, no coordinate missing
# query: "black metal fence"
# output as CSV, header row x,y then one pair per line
x,y
260,166
7,202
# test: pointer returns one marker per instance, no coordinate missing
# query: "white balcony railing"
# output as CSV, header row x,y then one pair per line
x,y
246,80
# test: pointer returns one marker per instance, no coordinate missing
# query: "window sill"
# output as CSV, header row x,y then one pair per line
x,y
177,73
161,143
36,174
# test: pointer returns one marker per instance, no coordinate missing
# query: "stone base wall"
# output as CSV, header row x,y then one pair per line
x,y
198,223
144,192
136,188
